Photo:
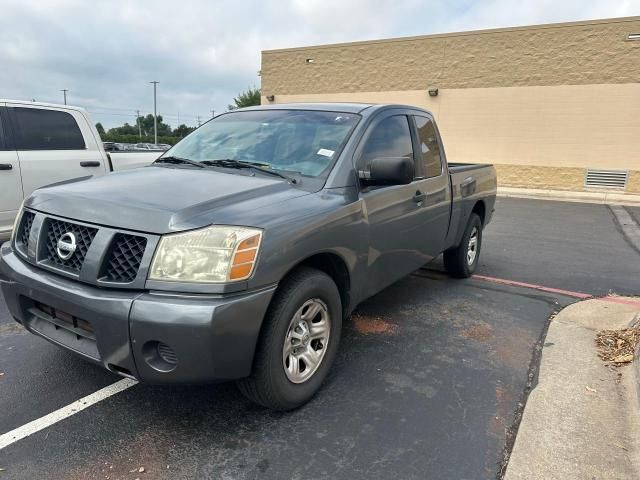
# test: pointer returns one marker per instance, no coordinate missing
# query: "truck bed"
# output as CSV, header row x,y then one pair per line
x,y
471,183
465,167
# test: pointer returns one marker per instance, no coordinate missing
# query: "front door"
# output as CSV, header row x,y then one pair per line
x,y
10,182
395,213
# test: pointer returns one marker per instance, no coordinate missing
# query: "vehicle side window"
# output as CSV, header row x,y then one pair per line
x,y
38,129
390,138
429,147
2,140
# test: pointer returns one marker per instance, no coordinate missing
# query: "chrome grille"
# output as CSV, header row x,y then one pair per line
x,y
84,236
124,260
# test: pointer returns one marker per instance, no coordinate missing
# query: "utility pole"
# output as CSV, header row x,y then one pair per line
x,y
155,113
64,92
213,113
139,124
199,123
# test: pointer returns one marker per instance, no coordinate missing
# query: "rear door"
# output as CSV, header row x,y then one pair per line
x,y
10,183
53,144
434,182
395,214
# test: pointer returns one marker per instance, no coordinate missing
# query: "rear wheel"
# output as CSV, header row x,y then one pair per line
x,y
462,260
298,343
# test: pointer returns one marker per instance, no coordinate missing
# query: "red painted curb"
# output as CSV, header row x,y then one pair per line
x,y
567,293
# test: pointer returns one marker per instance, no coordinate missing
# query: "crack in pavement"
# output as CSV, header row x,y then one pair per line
x,y
627,226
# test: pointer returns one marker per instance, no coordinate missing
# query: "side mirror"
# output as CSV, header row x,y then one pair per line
x,y
389,171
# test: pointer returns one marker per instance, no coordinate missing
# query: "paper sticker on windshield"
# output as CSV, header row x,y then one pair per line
x,y
326,153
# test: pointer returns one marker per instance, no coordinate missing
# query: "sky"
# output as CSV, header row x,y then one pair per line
x,y
204,52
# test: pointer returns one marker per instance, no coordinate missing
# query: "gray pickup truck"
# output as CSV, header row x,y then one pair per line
x,y
239,252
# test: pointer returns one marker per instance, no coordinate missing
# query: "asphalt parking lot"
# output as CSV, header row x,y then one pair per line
x,y
429,382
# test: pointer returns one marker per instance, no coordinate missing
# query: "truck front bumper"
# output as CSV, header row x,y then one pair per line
x,y
151,336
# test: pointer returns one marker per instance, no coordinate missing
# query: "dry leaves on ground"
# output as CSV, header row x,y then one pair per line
x,y
618,346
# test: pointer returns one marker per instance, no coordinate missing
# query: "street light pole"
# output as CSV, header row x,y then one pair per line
x,y
64,92
213,113
155,113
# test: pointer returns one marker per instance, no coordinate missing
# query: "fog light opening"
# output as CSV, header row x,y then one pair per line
x,y
160,356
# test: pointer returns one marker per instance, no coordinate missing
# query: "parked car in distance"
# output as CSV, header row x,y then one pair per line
x,y
118,146
238,254
151,146
41,144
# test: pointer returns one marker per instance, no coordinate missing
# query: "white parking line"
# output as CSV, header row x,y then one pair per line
x,y
41,423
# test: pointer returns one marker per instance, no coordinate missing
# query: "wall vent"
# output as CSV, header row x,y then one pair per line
x,y
606,178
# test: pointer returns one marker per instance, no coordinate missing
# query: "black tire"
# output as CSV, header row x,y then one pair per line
x,y
268,384
455,259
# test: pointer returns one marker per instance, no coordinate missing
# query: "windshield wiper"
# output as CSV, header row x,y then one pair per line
x,y
186,161
256,166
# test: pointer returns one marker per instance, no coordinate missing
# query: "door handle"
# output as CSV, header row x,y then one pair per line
x,y
419,197
6,166
90,164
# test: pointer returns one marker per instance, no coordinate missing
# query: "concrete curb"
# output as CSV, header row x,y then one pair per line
x,y
582,420
636,363
610,198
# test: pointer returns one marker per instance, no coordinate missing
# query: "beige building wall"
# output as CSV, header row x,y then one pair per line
x,y
543,103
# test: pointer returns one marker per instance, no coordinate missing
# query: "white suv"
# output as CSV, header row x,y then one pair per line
x,y
42,144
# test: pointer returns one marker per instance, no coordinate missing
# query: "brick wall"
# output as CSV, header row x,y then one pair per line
x,y
561,54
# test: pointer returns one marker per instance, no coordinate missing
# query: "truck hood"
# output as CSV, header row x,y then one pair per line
x,y
161,200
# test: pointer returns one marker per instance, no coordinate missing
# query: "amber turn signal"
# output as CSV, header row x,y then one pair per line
x,y
251,242
240,271
244,258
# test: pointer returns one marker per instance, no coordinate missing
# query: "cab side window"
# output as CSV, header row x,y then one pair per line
x,y
429,147
390,138
2,140
38,129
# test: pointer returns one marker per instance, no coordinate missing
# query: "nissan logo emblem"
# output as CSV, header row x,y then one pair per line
x,y
66,246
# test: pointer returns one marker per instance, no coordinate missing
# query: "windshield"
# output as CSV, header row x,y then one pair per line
x,y
299,141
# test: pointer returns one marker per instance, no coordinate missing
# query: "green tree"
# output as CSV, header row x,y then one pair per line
x,y
182,131
128,133
146,122
248,98
125,129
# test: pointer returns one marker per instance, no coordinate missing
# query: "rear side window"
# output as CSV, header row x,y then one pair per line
x,y
2,139
38,129
429,148
390,138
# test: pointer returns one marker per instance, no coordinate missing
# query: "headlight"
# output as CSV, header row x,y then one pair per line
x,y
216,254
14,230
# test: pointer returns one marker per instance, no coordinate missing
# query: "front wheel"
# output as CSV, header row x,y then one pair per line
x,y
298,343
462,260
